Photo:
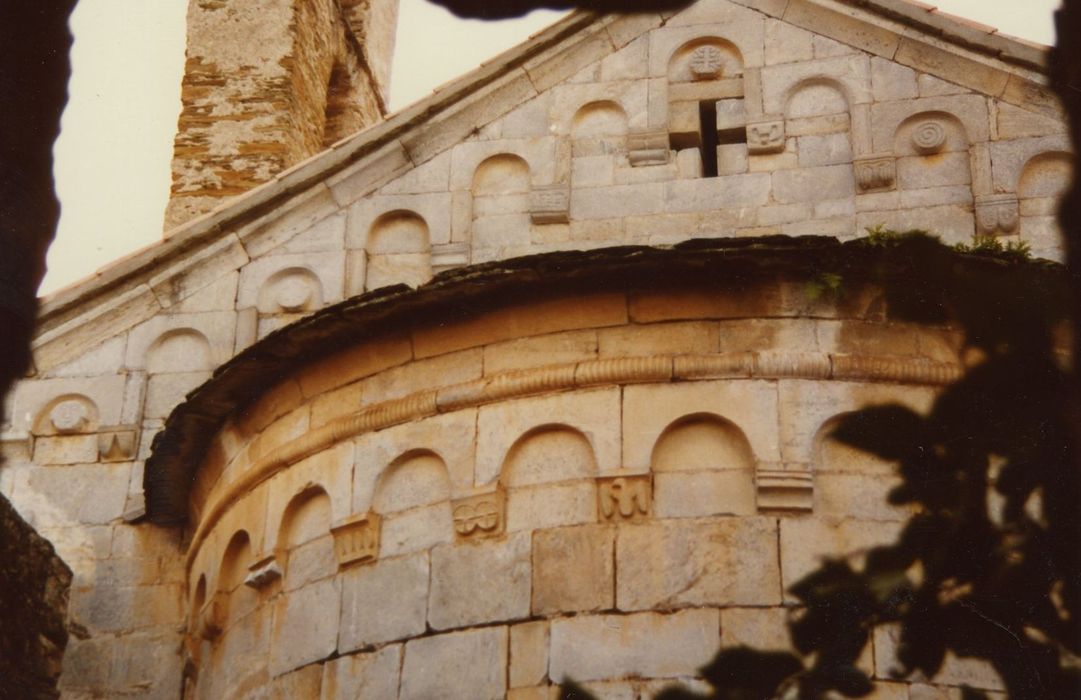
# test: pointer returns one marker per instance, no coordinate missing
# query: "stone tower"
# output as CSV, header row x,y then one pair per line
x,y
268,83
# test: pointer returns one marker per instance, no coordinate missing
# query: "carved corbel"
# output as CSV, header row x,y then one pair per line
x,y
550,204
875,172
624,498
480,515
447,256
648,148
356,540
263,572
765,136
997,214
118,444
787,490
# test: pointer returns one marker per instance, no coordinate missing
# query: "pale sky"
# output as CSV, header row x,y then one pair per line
x,y
113,154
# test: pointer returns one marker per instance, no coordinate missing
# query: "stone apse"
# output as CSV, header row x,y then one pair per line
x,y
275,471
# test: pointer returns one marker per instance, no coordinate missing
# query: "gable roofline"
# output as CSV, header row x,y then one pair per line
x,y
914,34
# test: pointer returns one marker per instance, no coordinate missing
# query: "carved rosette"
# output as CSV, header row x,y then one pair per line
x,y
648,148
624,498
997,214
766,136
875,172
788,490
356,540
263,572
706,63
479,516
550,204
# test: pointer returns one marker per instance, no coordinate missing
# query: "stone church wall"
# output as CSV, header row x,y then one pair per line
x,y
607,487
731,119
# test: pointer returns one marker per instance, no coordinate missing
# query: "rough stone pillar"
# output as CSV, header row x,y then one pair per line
x,y
269,83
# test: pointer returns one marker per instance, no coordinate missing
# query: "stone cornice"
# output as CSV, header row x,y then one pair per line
x,y
715,266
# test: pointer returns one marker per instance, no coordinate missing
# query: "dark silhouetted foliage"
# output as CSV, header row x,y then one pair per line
x,y
989,564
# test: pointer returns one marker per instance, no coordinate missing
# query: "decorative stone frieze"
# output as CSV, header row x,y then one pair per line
x,y
263,572
648,148
118,445
997,214
356,540
624,498
550,204
480,515
875,172
766,136
790,490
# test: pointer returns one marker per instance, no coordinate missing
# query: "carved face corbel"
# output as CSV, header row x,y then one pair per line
x,y
766,136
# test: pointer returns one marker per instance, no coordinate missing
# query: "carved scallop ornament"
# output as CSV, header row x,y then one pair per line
x,y
929,138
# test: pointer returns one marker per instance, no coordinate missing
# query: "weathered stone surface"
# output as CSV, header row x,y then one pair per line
x,y
698,494
469,665
573,569
374,675
805,541
528,664
758,628
554,505
955,671
481,583
305,626
647,645
701,562
383,602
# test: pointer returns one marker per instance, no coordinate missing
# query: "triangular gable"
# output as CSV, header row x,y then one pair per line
x,y
548,104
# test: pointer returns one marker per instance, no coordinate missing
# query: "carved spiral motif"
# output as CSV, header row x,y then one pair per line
x,y
929,137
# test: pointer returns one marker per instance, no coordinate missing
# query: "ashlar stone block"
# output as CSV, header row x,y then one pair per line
x,y
482,583
384,602
373,675
305,626
573,569
700,562
470,665
528,654
649,645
